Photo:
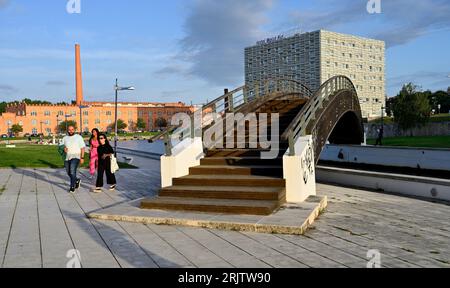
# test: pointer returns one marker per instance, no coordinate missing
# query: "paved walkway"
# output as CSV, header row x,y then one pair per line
x,y
40,222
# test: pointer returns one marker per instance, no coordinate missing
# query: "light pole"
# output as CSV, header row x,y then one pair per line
x,y
67,126
81,117
117,88
42,122
439,108
57,125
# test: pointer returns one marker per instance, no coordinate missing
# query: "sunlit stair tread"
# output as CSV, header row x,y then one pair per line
x,y
252,207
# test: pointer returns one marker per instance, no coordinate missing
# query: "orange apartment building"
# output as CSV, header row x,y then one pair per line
x,y
36,119
45,119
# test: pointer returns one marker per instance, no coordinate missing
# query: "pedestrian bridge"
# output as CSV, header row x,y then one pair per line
x,y
265,156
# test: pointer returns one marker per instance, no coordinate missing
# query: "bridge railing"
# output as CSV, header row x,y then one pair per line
x,y
229,103
326,92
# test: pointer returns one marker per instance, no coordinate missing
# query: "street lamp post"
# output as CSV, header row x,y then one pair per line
x,y
9,129
57,125
81,117
67,126
41,127
117,88
439,108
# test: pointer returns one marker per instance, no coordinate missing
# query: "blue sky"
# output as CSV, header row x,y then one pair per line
x,y
189,50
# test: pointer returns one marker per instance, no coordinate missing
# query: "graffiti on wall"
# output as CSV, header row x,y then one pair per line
x,y
307,163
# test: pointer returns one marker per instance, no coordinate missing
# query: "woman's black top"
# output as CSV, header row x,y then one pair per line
x,y
104,149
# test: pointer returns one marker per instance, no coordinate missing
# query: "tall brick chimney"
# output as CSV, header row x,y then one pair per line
x,y
78,78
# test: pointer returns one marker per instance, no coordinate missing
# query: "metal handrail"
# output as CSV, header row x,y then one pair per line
x,y
326,92
236,100
161,134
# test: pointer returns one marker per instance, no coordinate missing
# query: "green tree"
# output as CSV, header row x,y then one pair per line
x,y
441,98
411,107
121,125
63,125
35,102
161,122
3,107
16,129
140,125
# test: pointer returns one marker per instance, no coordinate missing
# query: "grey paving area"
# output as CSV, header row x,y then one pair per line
x,y
40,222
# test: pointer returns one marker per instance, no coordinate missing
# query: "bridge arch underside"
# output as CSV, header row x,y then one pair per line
x,y
340,122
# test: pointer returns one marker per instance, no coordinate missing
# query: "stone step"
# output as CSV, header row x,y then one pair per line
x,y
242,161
237,170
226,192
229,180
235,152
282,147
249,207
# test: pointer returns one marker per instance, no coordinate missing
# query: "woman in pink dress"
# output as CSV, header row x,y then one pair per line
x,y
93,154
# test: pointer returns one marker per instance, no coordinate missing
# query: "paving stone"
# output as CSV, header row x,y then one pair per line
x,y
41,221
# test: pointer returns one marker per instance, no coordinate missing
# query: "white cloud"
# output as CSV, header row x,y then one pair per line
x,y
401,21
62,54
217,33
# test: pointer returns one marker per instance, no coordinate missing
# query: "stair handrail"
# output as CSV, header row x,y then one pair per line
x,y
326,92
233,101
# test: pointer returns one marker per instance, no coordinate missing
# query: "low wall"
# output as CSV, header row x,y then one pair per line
x,y
430,159
392,130
429,188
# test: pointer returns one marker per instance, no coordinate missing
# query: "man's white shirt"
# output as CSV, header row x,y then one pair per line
x,y
74,144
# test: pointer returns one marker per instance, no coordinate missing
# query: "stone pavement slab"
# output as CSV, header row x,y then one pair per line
x,y
40,221
289,219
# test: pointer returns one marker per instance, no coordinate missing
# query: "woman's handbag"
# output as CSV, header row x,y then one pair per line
x,y
114,165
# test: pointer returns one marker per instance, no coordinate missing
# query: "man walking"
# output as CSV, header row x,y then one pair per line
x,y
74,147
380,136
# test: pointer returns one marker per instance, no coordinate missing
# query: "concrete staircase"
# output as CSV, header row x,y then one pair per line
x,y
235,180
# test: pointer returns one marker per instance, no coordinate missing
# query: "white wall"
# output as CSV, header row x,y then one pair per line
x,y
299,171
433,159
401,184
185,155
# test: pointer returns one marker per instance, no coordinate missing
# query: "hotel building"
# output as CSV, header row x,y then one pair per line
x,y
313,58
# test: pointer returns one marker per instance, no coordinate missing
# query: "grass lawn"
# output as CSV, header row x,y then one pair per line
x,y
35,156
420,142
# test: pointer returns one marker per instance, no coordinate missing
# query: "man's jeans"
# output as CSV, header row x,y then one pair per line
x,y
71,168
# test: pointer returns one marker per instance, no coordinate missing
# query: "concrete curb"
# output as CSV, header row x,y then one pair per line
x,y
262,226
